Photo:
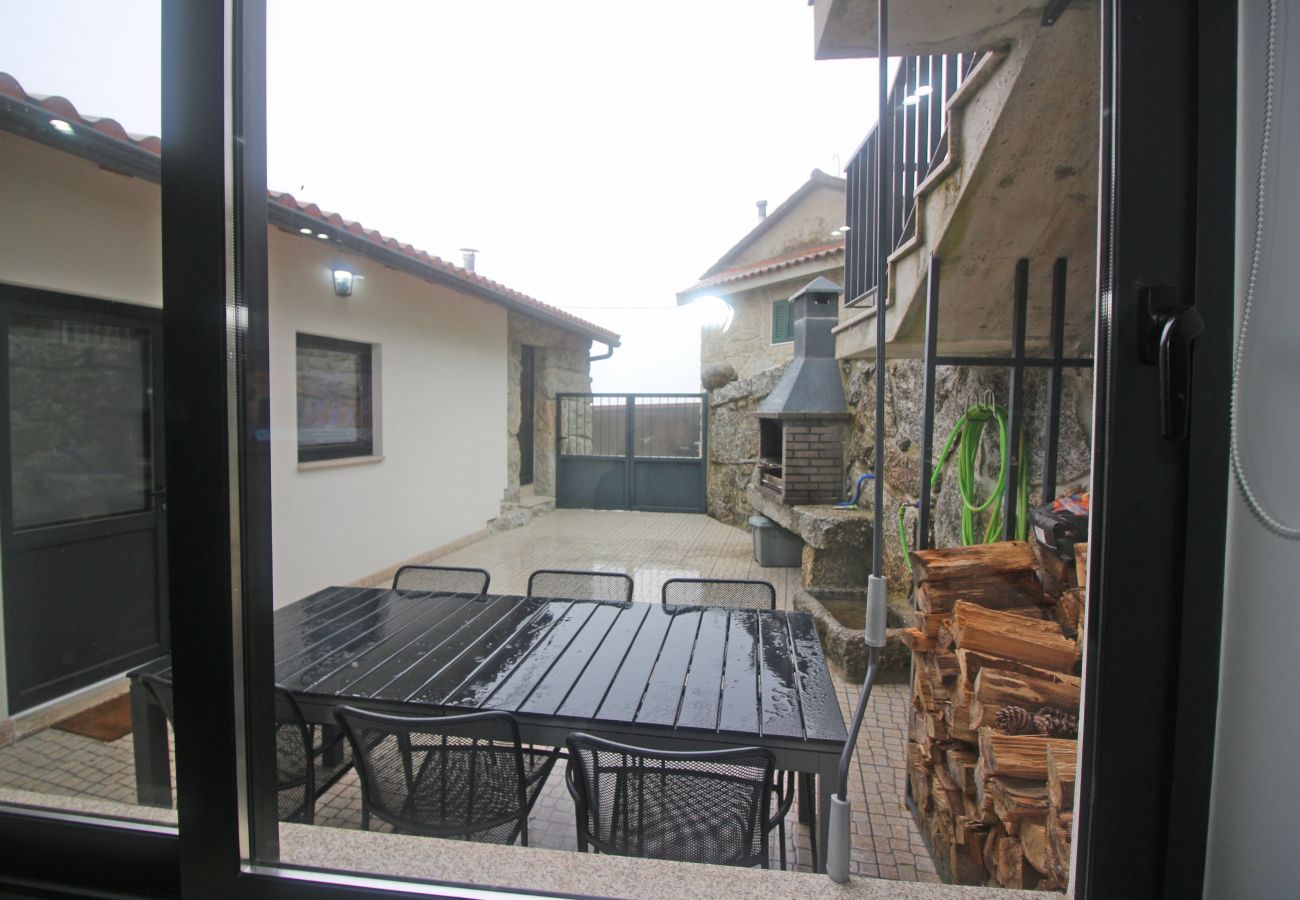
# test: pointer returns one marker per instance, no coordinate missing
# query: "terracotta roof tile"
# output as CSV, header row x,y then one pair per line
x,y
64,109
764,266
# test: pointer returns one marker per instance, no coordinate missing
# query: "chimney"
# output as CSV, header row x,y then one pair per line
x,y
762,209
467,257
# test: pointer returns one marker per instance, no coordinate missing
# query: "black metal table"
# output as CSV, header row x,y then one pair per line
x,y
687,679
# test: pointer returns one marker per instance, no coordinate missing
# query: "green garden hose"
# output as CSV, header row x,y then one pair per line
x,y
967,432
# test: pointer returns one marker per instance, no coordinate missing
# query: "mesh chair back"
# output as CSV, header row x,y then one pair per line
x,y
160,689
718,593
293,760
447,776
442,579
566,584
709,806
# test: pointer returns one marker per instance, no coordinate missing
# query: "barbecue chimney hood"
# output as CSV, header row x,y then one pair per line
x,y
811,386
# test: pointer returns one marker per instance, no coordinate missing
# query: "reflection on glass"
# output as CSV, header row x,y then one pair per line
x,y
78,419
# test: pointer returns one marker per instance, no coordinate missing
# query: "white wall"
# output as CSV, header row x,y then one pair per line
x,y
1253,848
443,400
67,224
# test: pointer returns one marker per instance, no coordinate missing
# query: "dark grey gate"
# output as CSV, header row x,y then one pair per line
x,y
631,451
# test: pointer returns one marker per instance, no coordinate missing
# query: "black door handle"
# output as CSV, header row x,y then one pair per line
x,y
1169,328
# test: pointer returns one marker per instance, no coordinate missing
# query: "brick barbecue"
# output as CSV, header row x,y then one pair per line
x,y
802,421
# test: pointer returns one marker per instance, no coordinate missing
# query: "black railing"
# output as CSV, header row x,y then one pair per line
x,y
917,99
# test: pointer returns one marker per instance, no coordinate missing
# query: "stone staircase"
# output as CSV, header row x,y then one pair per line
x,y
1018,179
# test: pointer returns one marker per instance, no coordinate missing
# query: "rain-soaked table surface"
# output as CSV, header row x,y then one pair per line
x,y
677,679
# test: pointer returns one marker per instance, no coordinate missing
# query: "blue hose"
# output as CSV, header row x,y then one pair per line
x,y
857,492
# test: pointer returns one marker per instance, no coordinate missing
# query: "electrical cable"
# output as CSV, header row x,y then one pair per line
x,y
1267,519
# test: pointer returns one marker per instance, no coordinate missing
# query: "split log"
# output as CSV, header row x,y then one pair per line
x,y
945,661
1020,755
969,662
1015,799
1033,840
995,689
1010,863
957,715
997,591
951,787
960,761
1081,564
1002,558
916,640
1058,845
1061,766
1057,574
1069,612
929,623
1033,641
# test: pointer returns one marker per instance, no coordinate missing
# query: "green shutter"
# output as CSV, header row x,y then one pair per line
x,y
782,327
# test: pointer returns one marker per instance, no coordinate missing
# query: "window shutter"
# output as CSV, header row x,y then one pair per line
x,y
782,327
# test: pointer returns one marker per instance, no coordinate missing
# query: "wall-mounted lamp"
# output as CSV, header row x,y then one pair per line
x,y
343,282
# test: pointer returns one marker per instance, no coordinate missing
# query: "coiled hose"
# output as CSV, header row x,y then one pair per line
x,y
966,437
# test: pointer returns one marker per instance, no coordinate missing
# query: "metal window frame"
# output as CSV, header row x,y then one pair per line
x,y
365,398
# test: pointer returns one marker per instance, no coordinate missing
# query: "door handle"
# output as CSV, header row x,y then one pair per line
x,y
1169,329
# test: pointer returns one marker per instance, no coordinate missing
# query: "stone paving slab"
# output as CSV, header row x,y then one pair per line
x,y
651,547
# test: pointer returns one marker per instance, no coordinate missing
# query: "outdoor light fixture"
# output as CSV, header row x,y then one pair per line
x,y
60,126
911,100
343,282
924,90
305,231
322,235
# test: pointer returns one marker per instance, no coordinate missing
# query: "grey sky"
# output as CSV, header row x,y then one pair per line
x,y
599,154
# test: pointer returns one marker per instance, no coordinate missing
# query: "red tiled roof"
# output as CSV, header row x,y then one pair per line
x,y
764,266
64,109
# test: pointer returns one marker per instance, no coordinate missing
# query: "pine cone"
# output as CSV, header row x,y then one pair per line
x,y
1014,720
1057,723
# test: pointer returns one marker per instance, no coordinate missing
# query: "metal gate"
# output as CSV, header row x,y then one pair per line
x,y
631,451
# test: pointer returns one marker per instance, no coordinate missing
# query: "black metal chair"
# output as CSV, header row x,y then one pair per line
x,y
709,806
694,593
716,592
569,584
309,760
442,579
447,776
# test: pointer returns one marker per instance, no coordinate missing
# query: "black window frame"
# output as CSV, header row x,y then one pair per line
x,y
365,399
214,253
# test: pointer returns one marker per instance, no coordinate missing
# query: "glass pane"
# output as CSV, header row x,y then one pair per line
x,y
79,420
83,536
333,395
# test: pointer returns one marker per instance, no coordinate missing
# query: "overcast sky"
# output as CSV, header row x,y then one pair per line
x,y
600,155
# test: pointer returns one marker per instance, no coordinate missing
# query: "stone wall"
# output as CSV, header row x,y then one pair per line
x,y
733,441
957,389
562,365
747,345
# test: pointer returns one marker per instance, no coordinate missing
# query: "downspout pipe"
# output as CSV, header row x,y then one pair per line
x,y
606,355
837,839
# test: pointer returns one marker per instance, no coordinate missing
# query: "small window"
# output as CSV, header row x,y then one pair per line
x,y
335,399
782,327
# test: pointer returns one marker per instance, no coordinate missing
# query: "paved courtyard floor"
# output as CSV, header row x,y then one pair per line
x,y
651,547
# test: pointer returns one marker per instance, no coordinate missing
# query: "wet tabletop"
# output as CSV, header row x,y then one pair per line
x,y
686,670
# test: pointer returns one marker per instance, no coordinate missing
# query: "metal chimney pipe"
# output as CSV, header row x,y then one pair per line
x,y
762,209
467,257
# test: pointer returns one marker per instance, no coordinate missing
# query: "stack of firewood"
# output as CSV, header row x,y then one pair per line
x,y
996,648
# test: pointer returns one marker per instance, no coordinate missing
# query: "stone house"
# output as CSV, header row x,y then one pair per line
x,y
798,241
366,335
